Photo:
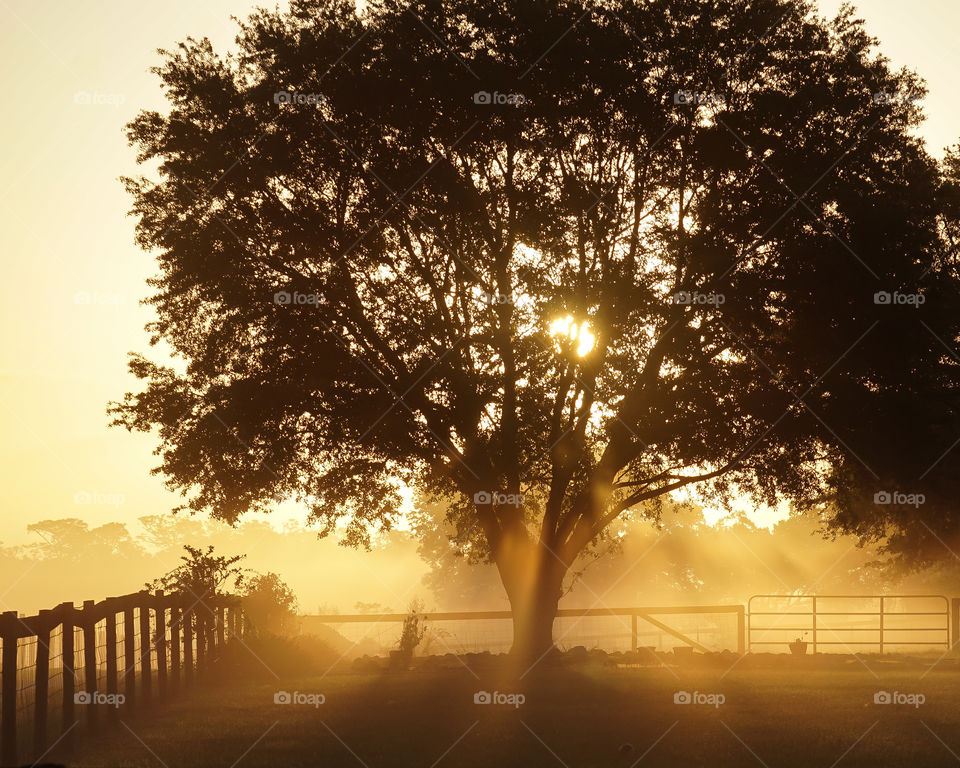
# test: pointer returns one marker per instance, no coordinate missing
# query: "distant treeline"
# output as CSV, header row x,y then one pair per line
x,y
72,561
683,561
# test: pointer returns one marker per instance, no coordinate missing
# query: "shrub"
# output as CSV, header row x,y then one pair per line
x,y
269,605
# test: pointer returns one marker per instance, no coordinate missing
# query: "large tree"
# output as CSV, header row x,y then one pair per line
x,y
545,262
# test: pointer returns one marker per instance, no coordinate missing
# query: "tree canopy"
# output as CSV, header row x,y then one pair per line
x,y
548,261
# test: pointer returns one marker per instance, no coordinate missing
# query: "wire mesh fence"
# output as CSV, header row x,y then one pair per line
x,y
706,628
69,666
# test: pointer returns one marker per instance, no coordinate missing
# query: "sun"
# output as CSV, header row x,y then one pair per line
x,y
567,329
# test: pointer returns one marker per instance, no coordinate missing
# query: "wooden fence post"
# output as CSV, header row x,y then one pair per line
x,y
814,627
42,683
88,622
882,628
68,661
146,675
8,696
741,630
201,641
175,619
232,621
111,641
187,614
633,632
161,614
955,621
220,638
129,651
211,627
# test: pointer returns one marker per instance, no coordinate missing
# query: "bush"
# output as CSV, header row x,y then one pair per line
x,y
414,628
265,656
269,605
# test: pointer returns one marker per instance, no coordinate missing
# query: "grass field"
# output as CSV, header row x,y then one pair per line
x,y
784,712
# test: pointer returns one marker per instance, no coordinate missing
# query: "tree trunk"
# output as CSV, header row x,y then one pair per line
x,y
533,628
534,607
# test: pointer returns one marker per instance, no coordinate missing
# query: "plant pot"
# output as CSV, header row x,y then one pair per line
x,y
799,647
683,652
648,654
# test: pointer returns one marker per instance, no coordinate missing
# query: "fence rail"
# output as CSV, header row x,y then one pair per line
x,y
635,615
131,649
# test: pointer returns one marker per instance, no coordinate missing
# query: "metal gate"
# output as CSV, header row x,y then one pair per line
x,y
883,622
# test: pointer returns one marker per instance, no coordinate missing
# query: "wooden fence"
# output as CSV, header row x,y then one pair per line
x,y
90,664
633,615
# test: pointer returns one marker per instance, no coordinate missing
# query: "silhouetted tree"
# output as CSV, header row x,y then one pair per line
x,y
549,259
73,540
202,574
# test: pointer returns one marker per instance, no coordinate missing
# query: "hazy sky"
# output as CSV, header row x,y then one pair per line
x,y
72,276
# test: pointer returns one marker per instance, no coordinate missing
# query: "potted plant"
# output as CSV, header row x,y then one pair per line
x,y
799,646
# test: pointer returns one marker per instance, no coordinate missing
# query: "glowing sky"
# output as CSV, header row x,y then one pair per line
x,y
72,276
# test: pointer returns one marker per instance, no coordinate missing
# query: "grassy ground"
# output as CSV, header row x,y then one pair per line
x,y
792,712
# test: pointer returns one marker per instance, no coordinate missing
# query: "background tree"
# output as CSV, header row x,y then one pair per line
x,y
73,540
550,260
